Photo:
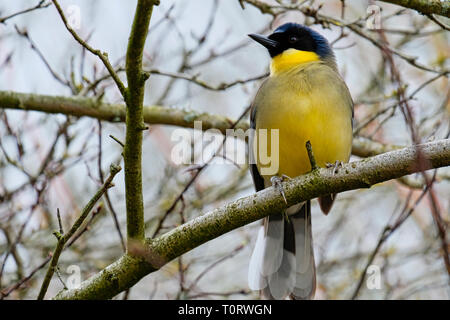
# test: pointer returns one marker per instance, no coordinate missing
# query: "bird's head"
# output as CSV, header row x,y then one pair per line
x,y
292,44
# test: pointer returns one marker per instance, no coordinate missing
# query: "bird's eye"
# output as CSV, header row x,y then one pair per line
x,y
293,39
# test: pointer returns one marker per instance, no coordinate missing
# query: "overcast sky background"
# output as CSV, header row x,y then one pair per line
x,y
108,23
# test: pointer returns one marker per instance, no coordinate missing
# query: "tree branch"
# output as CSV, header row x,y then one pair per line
x,y
127,271
90,107
425,7
134,98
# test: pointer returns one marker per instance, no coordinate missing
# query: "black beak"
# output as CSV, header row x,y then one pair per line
x,y
266,42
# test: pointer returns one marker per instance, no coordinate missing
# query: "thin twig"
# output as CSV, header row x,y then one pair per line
x,y
108,200
7,292
63,238
312,160
25,34
102,55
195,176
61,230
17,285
421,161
40,5
214,264
117,140
439,23
385,234
194,79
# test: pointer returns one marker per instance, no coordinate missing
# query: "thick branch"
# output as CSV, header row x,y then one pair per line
x,y
134,99
426,7
127,271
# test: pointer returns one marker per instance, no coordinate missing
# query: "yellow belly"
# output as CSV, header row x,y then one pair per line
x,y
303,108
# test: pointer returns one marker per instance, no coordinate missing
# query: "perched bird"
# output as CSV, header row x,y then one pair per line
x,y
306,99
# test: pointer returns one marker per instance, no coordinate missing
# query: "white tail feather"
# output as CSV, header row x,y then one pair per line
x,y
302,243
305,277
273,247
281,283
277,271
255,280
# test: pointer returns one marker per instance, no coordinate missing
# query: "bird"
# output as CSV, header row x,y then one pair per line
x,y
303,99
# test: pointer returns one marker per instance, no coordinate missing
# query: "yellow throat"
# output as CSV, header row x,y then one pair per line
x,y
290,58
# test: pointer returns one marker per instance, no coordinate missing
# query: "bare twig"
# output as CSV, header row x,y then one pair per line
x,y
194,79
108,200
409,119
385,234
64,238
17,285
24,34
6,292
213,265
194,177
42,4
439,23
102,55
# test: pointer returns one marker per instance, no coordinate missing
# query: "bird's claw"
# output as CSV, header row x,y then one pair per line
x,y
336,165
276,183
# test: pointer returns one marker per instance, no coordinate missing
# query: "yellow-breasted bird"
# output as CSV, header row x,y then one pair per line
x,y
306,99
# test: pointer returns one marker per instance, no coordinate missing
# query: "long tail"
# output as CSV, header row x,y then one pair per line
x,y
282,262
305,275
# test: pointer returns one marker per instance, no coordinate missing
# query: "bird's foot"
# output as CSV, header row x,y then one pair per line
x,y
336,165
276,183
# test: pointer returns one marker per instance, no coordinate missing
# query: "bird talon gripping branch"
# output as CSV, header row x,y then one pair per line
x,y
276,183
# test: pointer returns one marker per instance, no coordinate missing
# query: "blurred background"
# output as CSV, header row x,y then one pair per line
x,y
384,238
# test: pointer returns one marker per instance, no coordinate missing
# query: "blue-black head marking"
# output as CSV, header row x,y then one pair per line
x,y
295,36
